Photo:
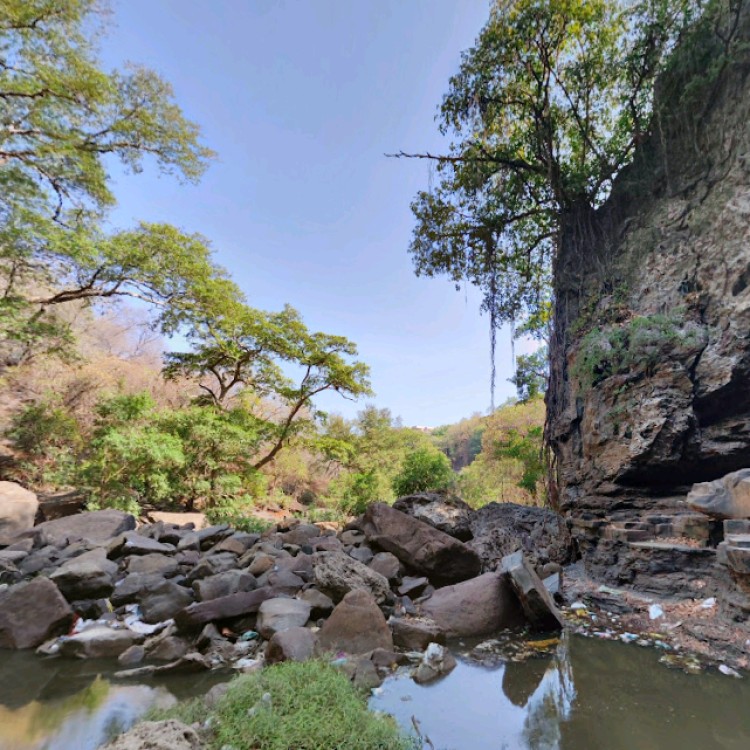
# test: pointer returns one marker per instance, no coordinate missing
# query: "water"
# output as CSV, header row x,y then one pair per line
x,y
589,695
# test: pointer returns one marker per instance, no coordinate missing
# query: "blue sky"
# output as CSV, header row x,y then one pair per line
x,y
301,100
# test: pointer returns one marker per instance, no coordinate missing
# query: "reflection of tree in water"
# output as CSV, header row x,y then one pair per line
x,y
546,690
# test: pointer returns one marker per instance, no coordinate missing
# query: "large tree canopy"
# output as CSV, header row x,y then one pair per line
x,y
546,109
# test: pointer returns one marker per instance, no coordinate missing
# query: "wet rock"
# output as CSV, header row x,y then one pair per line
x,y
163,601
418,545
445,512
388,565
32,613
728,497
276,615
387,660
132,543
97,527
500,529
18,508
132,656
223,608
223,584
477,607
292,644
98,642
153,563
321,605
536,601
89,576
157,735
415,633
336,574
167,648
356,626
436,662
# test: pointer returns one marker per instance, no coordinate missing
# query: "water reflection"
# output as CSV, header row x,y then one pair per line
x,y
55,704
591,695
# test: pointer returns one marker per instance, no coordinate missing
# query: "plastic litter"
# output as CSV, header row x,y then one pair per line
x,y
729,672
708,603
249,635
655,612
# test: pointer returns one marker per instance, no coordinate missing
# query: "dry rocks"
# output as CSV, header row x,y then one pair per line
x,y
18,508
356,626
31,613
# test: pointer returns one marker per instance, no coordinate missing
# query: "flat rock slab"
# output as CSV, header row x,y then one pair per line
x,y
439,556
99,642
132,543
89,576
480,606
18,507
223,608
536,601
277,615
97,527
32,613
356,626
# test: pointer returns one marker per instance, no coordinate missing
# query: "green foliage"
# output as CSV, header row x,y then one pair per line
x,y
312,707
424,470
239,514
545,110
510,467
41,428
531,375
461,442
635,346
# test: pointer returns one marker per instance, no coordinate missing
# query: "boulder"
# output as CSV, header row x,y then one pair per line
x,y
129,589
153,563
415,633
536,601
728,497
500,529
18,507
321,605
302,534
362,554
157,735
336,574
445,512
210,565
386,564
260,563
98,642
412,587
277,615
223,584
356,626
292,644
96,527
89,576
478,607
32,613
132,543
224,608
167,648
442,558
163,600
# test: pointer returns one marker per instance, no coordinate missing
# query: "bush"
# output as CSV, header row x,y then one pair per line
x,y
423,470
312,707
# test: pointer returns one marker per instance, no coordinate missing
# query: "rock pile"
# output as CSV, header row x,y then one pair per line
x,y
164,597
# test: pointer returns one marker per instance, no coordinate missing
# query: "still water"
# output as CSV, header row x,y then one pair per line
x,y
589,695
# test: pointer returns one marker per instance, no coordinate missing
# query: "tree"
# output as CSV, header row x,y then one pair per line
x,y
424,470
62,118
253,351
546,109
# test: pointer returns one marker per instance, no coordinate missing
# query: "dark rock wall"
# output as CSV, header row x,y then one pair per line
x,y
650,387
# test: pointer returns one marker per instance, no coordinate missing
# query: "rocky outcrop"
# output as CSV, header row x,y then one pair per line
x,y
650,357
18,508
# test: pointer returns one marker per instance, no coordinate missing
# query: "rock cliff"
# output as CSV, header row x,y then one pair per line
x,y
650,387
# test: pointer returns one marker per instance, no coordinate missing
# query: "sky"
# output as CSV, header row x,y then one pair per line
x,y
302,100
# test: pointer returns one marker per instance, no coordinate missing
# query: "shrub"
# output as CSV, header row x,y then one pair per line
x,y
312,706
423,470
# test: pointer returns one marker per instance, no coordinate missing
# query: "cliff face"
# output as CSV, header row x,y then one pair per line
x,y
651,358
650,361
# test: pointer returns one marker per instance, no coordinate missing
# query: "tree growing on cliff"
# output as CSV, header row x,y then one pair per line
x,y
546,109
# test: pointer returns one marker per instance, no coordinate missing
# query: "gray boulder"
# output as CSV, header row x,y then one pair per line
x,y
445,512
277,615
386,564
442,558
98,642
223,584
292,644
536,601
96,527
89,576
32,613
132,543
153,563
336,574
356,626
18,507
163,601
728,497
